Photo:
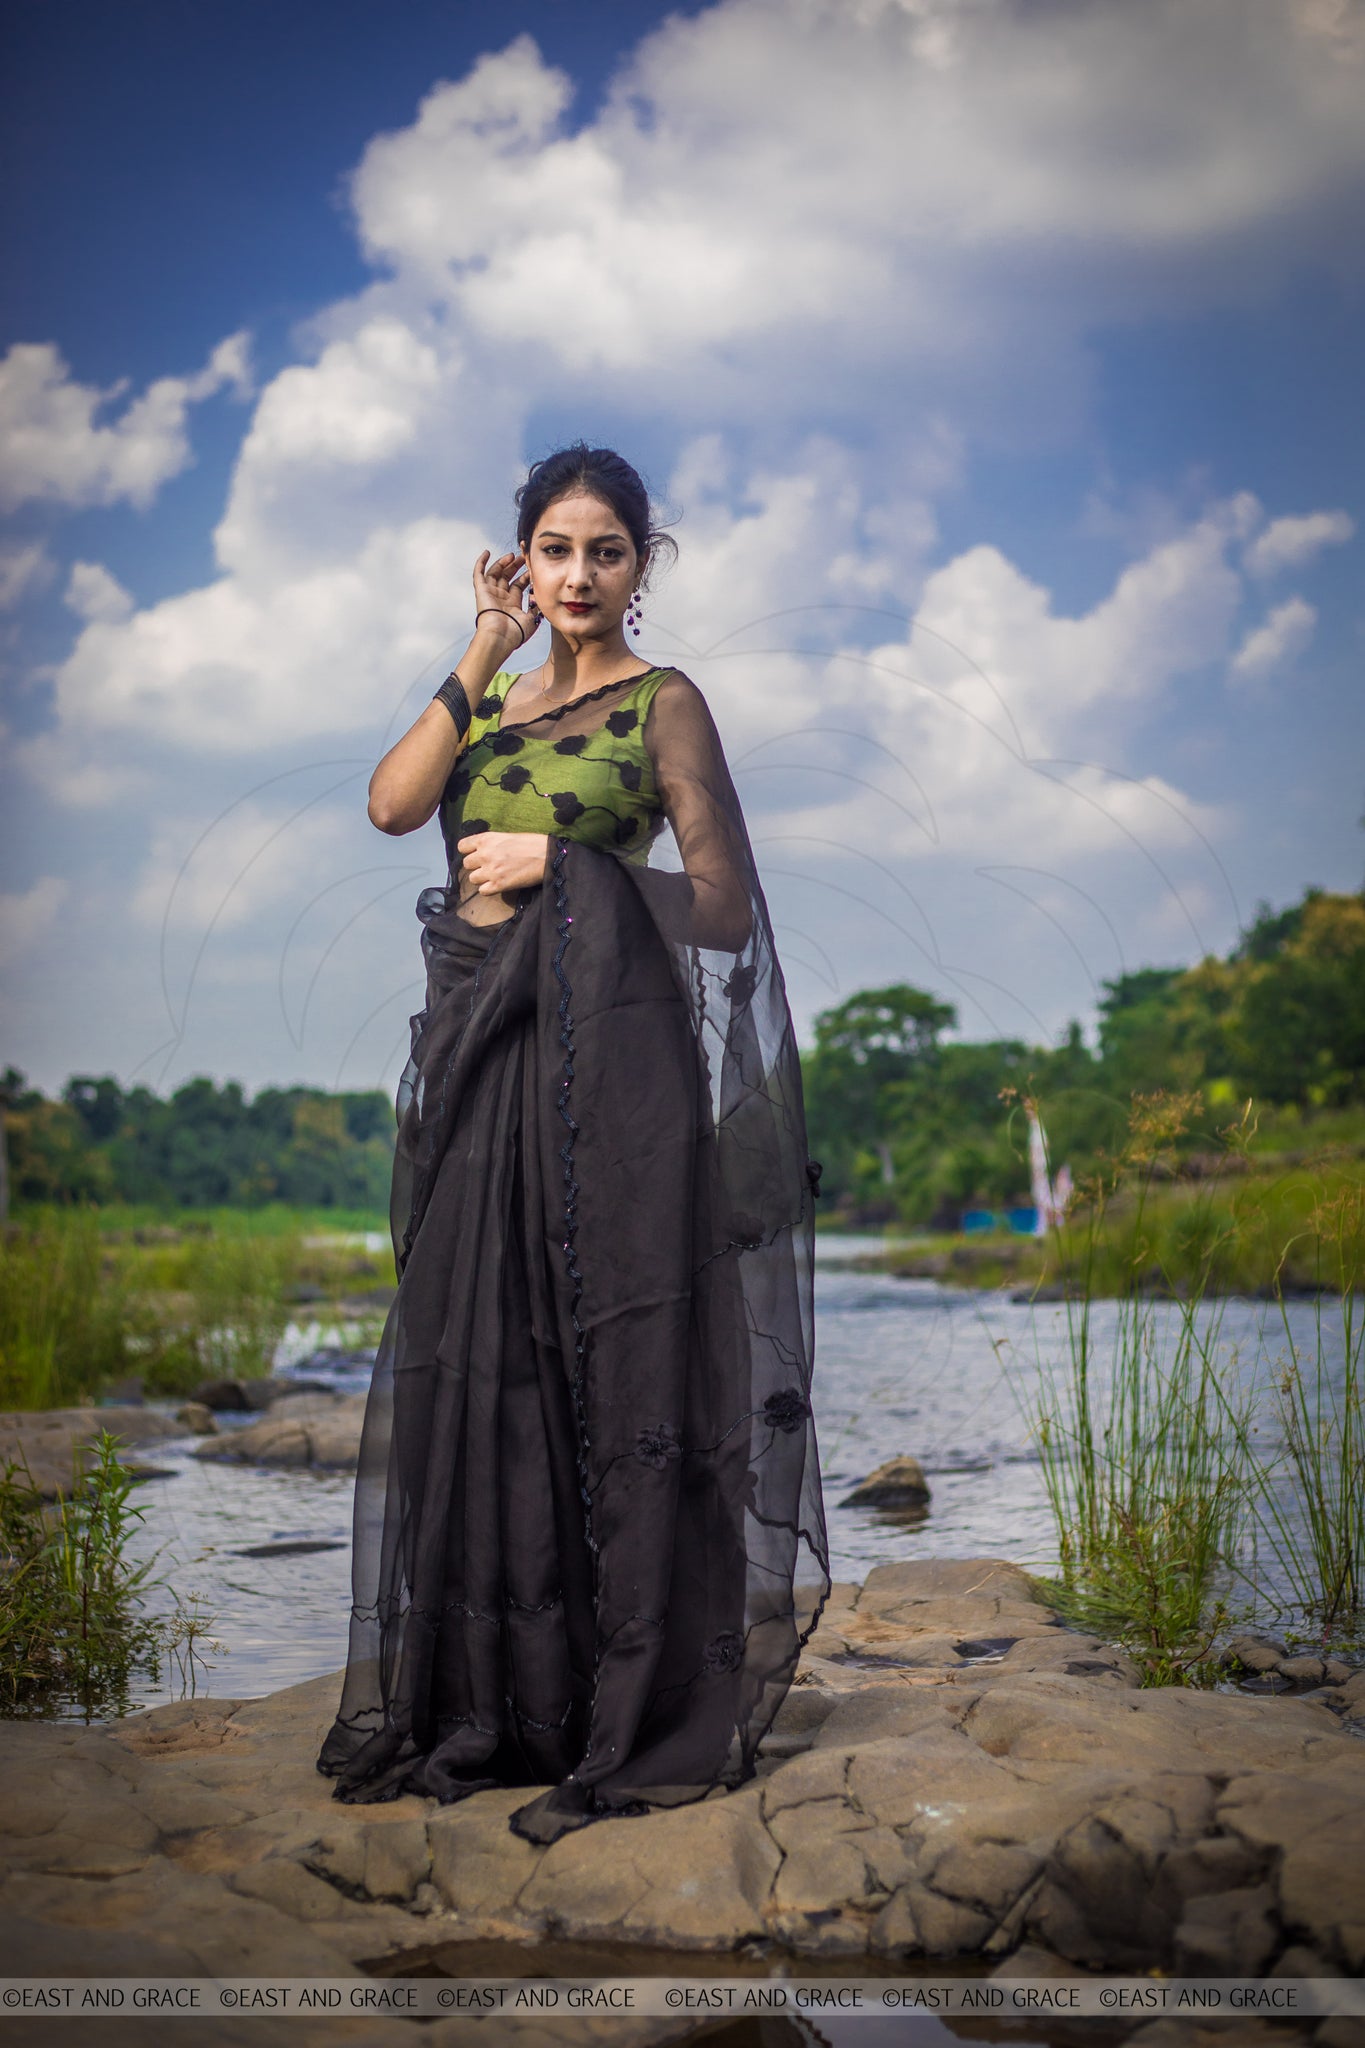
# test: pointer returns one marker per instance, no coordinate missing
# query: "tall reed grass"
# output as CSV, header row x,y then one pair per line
x,y
1171,1463
84,1305
64,1310
1314,1525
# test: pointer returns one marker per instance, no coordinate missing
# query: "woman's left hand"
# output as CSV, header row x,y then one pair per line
x,y
495,861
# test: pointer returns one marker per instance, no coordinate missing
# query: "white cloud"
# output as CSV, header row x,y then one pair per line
x,y
985,729
250,663
94,594
985,174
719,257
27,917
360,404
25,569
1287,543
1279,639
52,449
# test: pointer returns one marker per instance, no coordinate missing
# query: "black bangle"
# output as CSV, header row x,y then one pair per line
x,y
451,694
503,613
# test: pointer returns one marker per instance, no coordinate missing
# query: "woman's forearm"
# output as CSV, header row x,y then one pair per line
x,y
406,786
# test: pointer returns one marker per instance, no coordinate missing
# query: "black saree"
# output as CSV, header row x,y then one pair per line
x,y
589,1538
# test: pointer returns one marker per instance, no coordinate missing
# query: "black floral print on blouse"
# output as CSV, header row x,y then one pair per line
x,y
597,786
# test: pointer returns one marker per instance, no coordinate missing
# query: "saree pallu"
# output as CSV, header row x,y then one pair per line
x,y
588,1535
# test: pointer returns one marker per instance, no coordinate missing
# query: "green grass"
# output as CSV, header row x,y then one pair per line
x,y
1144,1458
1315,1524
1243,1232
1163,1485
74,1627
94,1298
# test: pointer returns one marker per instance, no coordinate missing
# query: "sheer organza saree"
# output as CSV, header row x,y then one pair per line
x,y
589,1538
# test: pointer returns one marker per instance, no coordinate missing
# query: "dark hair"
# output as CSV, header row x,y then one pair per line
x,y
605,475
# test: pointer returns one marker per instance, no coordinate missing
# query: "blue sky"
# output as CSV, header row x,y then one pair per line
x,y
999,365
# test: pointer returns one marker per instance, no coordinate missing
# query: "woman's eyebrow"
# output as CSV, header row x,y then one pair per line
x,y
547,535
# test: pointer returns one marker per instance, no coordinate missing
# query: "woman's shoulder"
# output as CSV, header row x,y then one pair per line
x,y
673,684
490,705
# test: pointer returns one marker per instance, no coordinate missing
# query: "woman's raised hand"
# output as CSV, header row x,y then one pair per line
x,y
501,586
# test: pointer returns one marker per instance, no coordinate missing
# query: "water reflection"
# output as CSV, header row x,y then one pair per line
x,y
903,1366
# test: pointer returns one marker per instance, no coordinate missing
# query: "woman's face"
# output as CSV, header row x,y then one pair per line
x,y
583,567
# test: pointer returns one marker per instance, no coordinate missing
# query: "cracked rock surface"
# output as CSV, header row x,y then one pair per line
x,y
953,1775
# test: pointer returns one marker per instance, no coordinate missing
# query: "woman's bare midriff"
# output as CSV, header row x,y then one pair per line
x,y
481,910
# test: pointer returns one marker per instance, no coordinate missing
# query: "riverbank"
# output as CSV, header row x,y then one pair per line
x,y
1284,1228
954,1776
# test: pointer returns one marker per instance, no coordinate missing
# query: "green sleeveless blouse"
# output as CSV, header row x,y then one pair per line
x,y
597,787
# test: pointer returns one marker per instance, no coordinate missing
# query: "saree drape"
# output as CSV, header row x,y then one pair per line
x,y
588,1533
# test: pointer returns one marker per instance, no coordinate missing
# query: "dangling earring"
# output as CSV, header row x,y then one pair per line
x,y
634,616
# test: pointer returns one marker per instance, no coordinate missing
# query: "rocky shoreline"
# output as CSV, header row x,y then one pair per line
x,y
955,1779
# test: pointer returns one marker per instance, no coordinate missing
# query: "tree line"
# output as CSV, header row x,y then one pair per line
x,y
205,1146
917,1129
910,1124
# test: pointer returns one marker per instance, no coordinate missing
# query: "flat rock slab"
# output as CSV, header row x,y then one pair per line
x,y
965,1809
48,1440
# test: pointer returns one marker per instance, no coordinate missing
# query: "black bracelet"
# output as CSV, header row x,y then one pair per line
x,y
451,694
502,613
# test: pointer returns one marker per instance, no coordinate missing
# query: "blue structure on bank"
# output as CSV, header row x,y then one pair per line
x,y
1023,1221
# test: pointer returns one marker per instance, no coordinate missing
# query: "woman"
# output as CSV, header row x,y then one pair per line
x,y
588,1530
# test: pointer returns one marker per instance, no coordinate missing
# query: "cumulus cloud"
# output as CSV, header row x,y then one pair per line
x,y
53,449
243,665
711,261
1278,640
1288,543
978,730
94,594
723,208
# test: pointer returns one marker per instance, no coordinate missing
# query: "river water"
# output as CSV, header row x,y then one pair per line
x,y
902,1366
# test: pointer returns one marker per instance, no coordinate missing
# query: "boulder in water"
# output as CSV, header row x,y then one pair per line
x,y
899,1483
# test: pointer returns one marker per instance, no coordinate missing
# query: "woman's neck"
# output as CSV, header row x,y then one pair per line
x,y
571,670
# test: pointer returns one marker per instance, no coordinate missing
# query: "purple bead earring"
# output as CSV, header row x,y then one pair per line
x,y
634,616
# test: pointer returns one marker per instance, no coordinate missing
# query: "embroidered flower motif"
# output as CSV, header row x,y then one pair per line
x,y
656,1447
741,985
574,744
625,829
629,772
513,779
566,806
622,722
507,743
786,1410
489,707
468,826
724,1652
459,782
